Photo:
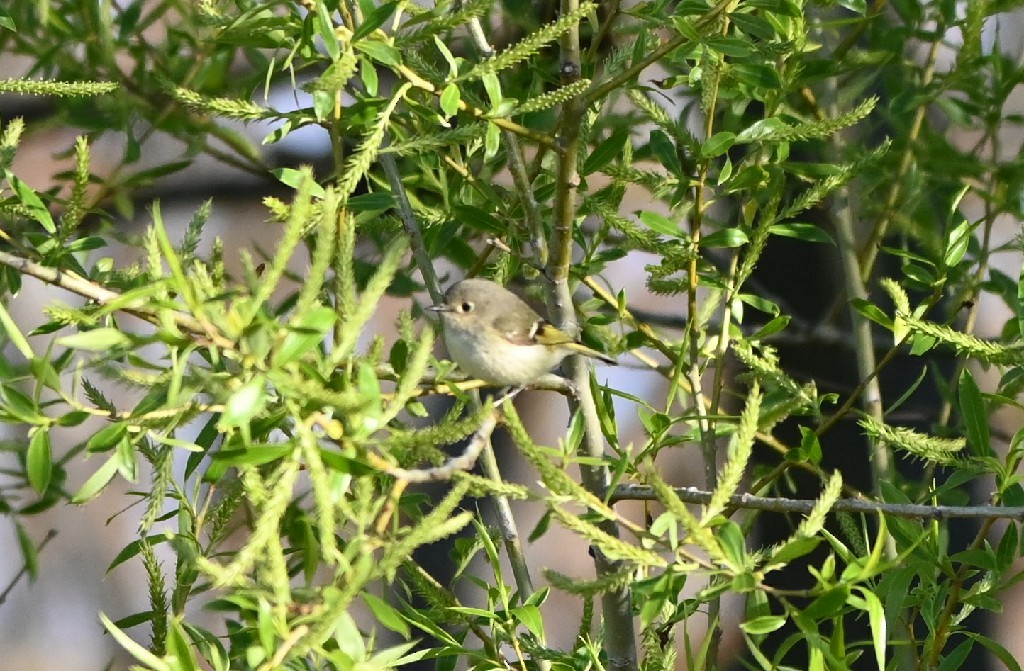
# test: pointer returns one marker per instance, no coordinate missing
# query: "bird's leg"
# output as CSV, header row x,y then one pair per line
x,y
572,389
509,394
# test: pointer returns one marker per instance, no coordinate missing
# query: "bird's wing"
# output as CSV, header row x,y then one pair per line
x,y
513,331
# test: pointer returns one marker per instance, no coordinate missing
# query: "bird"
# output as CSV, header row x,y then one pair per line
x,y
494,336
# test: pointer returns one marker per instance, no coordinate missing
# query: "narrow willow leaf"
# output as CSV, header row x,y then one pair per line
x,y
244,404
380,52
305,334
764,624
134,649
374,20
39,461
726,237
450,99
975,415
29,552
97,481
605,152
31,201
386,614
717,144
14,333
801,231
97,340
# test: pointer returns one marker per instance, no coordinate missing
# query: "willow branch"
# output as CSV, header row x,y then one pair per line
x,y
782,505
95,292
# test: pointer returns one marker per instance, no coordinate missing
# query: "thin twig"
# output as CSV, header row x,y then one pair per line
x,y
781,505
516,162
50,535
464,462
412,227
87,289
617,607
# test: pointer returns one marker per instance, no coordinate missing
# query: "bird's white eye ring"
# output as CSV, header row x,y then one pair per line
x,y
465,306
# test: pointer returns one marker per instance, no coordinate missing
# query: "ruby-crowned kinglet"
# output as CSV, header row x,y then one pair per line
x,y
496,337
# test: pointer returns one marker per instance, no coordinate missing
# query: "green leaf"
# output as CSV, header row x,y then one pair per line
x,y
386,614
659,224
10,327
794,549
134,620
1001,653
726,237
133,549
453,62
752,24
529,616
810,445
23,407
296,178
762,129
765,624
1020,302
86,244
134,649
733,545
450,99
28,197
762,304
97,481
493,87
368,73
492,141
975,415
374,20
369,388
664,150
957,243
757,74
325,28
730,46
876,619
802,231
872,312
39,461
97,340
954,660
771,328
828,604
7,22
605,152
717,144
73,418
29,552
245,403
1006,552
485,615
107,437
253,455
378,201
923,276
478,218
305,335
323,105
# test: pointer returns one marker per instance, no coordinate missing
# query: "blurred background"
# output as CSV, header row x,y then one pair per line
x,y
52,623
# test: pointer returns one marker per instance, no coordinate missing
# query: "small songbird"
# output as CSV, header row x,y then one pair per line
x,y
494,336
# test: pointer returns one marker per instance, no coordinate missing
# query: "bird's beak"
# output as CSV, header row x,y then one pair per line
x,y
439,308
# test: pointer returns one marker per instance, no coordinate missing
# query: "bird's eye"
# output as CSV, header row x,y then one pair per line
x,y
465,306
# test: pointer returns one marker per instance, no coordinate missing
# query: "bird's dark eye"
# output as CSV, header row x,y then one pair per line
x,y
465,306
